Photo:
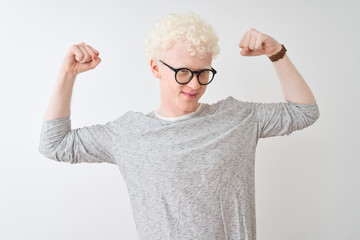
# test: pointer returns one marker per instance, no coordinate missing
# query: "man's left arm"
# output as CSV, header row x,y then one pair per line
x,y
294,87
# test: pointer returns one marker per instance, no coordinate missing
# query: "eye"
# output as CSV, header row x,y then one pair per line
x,y
183,71
206,73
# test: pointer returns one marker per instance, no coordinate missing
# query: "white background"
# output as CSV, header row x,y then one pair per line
x,y
307,184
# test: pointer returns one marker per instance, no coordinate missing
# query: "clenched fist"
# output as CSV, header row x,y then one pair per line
x,y
255,43
80,58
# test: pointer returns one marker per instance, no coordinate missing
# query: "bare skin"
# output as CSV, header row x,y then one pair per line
x,y
177,100
82,57
294,87
78,59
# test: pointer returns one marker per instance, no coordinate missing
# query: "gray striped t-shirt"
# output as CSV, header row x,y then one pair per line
x,y
191,178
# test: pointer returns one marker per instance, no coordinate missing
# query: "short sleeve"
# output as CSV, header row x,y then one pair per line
x,y
91,144
278,119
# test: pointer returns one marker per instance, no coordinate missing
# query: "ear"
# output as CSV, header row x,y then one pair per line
x,y
154,65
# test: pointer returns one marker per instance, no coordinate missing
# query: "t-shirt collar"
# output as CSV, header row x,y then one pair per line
x,y
186,116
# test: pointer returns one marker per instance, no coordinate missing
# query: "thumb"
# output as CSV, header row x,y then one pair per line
x,y
83,67
244,51
95,61
251,53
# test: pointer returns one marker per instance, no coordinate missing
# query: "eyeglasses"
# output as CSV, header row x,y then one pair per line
x,y
184,75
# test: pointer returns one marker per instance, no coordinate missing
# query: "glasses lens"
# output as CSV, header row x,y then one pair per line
x,y
206,76
183,75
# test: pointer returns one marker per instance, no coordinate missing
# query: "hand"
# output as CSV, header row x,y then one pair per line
x,y
255,43
80,58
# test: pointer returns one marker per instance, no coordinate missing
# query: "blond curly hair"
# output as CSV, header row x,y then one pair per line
x,y
188,29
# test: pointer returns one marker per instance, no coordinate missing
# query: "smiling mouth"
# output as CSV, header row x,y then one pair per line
x,y
190,95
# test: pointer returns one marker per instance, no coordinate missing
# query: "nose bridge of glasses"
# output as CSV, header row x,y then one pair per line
x,y
192,73
196,73
194,84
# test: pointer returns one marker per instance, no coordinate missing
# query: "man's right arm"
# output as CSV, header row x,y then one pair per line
x,y
57,140
79,58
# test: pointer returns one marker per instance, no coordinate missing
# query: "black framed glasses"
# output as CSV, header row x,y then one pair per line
x,y
184,75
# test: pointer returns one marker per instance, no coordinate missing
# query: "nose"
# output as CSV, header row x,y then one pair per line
x,y
194,83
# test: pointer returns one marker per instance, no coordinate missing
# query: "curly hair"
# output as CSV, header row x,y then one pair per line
x,y
189,30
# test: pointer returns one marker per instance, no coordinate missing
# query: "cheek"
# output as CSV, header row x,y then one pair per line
x,y
204,88
170,86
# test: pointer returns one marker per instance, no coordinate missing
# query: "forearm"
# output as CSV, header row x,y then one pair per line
x,y
80,58
292,83
60,101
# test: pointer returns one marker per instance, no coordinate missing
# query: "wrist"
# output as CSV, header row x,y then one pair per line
x,y
279,54
66,76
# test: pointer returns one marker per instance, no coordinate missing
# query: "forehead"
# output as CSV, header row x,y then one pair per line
x,y
178,56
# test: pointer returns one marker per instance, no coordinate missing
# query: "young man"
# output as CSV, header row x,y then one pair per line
x,y
189,166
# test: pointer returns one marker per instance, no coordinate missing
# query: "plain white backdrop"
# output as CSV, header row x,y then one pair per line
x,y
307,184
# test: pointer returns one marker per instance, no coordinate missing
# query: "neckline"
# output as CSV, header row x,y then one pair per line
x,y
186,116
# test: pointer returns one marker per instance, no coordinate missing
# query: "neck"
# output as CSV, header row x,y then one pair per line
x,y
171,112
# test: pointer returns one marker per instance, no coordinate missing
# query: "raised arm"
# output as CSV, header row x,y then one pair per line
x,y
57,140
294,87
79,58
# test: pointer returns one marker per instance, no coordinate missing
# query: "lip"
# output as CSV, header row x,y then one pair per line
x,y
190,95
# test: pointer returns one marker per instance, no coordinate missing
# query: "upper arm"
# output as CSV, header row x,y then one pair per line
x,y
277,119
87,144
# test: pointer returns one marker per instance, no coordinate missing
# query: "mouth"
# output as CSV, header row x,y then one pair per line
x,y
190,95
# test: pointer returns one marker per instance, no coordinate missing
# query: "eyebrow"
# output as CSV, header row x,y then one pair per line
x,y
182,66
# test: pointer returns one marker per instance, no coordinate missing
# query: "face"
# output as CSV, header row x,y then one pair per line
x,y
176,99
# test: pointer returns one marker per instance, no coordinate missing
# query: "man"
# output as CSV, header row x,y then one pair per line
x,y
188,166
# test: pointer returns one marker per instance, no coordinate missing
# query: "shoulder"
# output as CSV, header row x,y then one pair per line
x,y
133,121
228,107
129,117
229,103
